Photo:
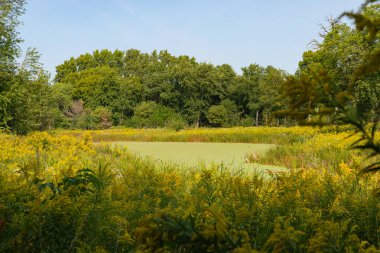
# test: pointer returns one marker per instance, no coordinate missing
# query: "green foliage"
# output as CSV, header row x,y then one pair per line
x,y
24,90
217,115
10,11
367,100
88,120
223,115
233,116
285,239
151,114
124,202
104,117
335,237
338,82
121,80
205,233
31,105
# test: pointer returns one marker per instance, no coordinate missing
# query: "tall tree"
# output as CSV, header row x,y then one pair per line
x,y
270,98
342,103
10,11
31,104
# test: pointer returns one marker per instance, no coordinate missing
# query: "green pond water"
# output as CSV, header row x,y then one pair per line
x,y
194,154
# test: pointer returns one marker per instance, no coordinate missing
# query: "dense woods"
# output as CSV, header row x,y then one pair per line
x,y
131,88
158,89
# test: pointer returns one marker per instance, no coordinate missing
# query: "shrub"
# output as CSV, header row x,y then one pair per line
x,y
88,120
125,203
104,117
217,115
151,114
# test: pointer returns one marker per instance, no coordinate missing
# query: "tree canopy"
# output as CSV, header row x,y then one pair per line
x,y
339,82
340,71
123,80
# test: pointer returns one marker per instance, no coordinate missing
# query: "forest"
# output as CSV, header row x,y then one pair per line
x,y
130,88
302,176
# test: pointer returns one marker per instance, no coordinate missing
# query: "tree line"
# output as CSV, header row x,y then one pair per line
x,y
135,89
159,89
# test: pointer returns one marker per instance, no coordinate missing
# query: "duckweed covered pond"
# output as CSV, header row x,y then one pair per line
x,y
193,154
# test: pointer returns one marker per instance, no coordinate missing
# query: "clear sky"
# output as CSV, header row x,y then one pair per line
x,y
237,32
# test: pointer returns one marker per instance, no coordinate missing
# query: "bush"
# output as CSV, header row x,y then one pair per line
x,y
104,117
176,123
217,115
62,193
232,113
152,115
87,120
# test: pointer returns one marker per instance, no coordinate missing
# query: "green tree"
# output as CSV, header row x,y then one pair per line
x,y
343,102
233,115
103,86
217,115
270,98
245,92
31,104
121,80
104,117
10,11
151,114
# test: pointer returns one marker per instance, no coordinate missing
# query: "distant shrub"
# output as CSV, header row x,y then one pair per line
x,y
247,122
217,115
176,123
233,116
151,114
104,117
88,120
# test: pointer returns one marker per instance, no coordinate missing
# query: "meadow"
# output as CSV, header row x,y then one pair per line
x,y
79,191
269,135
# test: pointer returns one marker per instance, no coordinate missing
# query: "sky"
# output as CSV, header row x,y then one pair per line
x,y
236,32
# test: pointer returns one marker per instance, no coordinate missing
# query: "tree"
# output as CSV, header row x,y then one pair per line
x,y
75,110
31,104
337,56
104,87
233,115
25,94
217,115
270,99
245,92
121,80
340,104
10,11
151,114
104,117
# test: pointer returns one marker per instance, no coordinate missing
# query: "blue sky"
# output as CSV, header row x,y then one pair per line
x,y
237,32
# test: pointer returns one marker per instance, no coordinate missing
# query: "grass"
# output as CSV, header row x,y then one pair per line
x,y
273,135
295,147
195,154
101,198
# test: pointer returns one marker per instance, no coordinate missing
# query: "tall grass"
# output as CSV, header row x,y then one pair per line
x,y
64,194
274,135
322,150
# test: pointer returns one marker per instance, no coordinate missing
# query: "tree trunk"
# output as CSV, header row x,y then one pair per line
x,y
257,118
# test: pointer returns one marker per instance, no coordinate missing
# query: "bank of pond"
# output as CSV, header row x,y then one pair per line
x,y
82,192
